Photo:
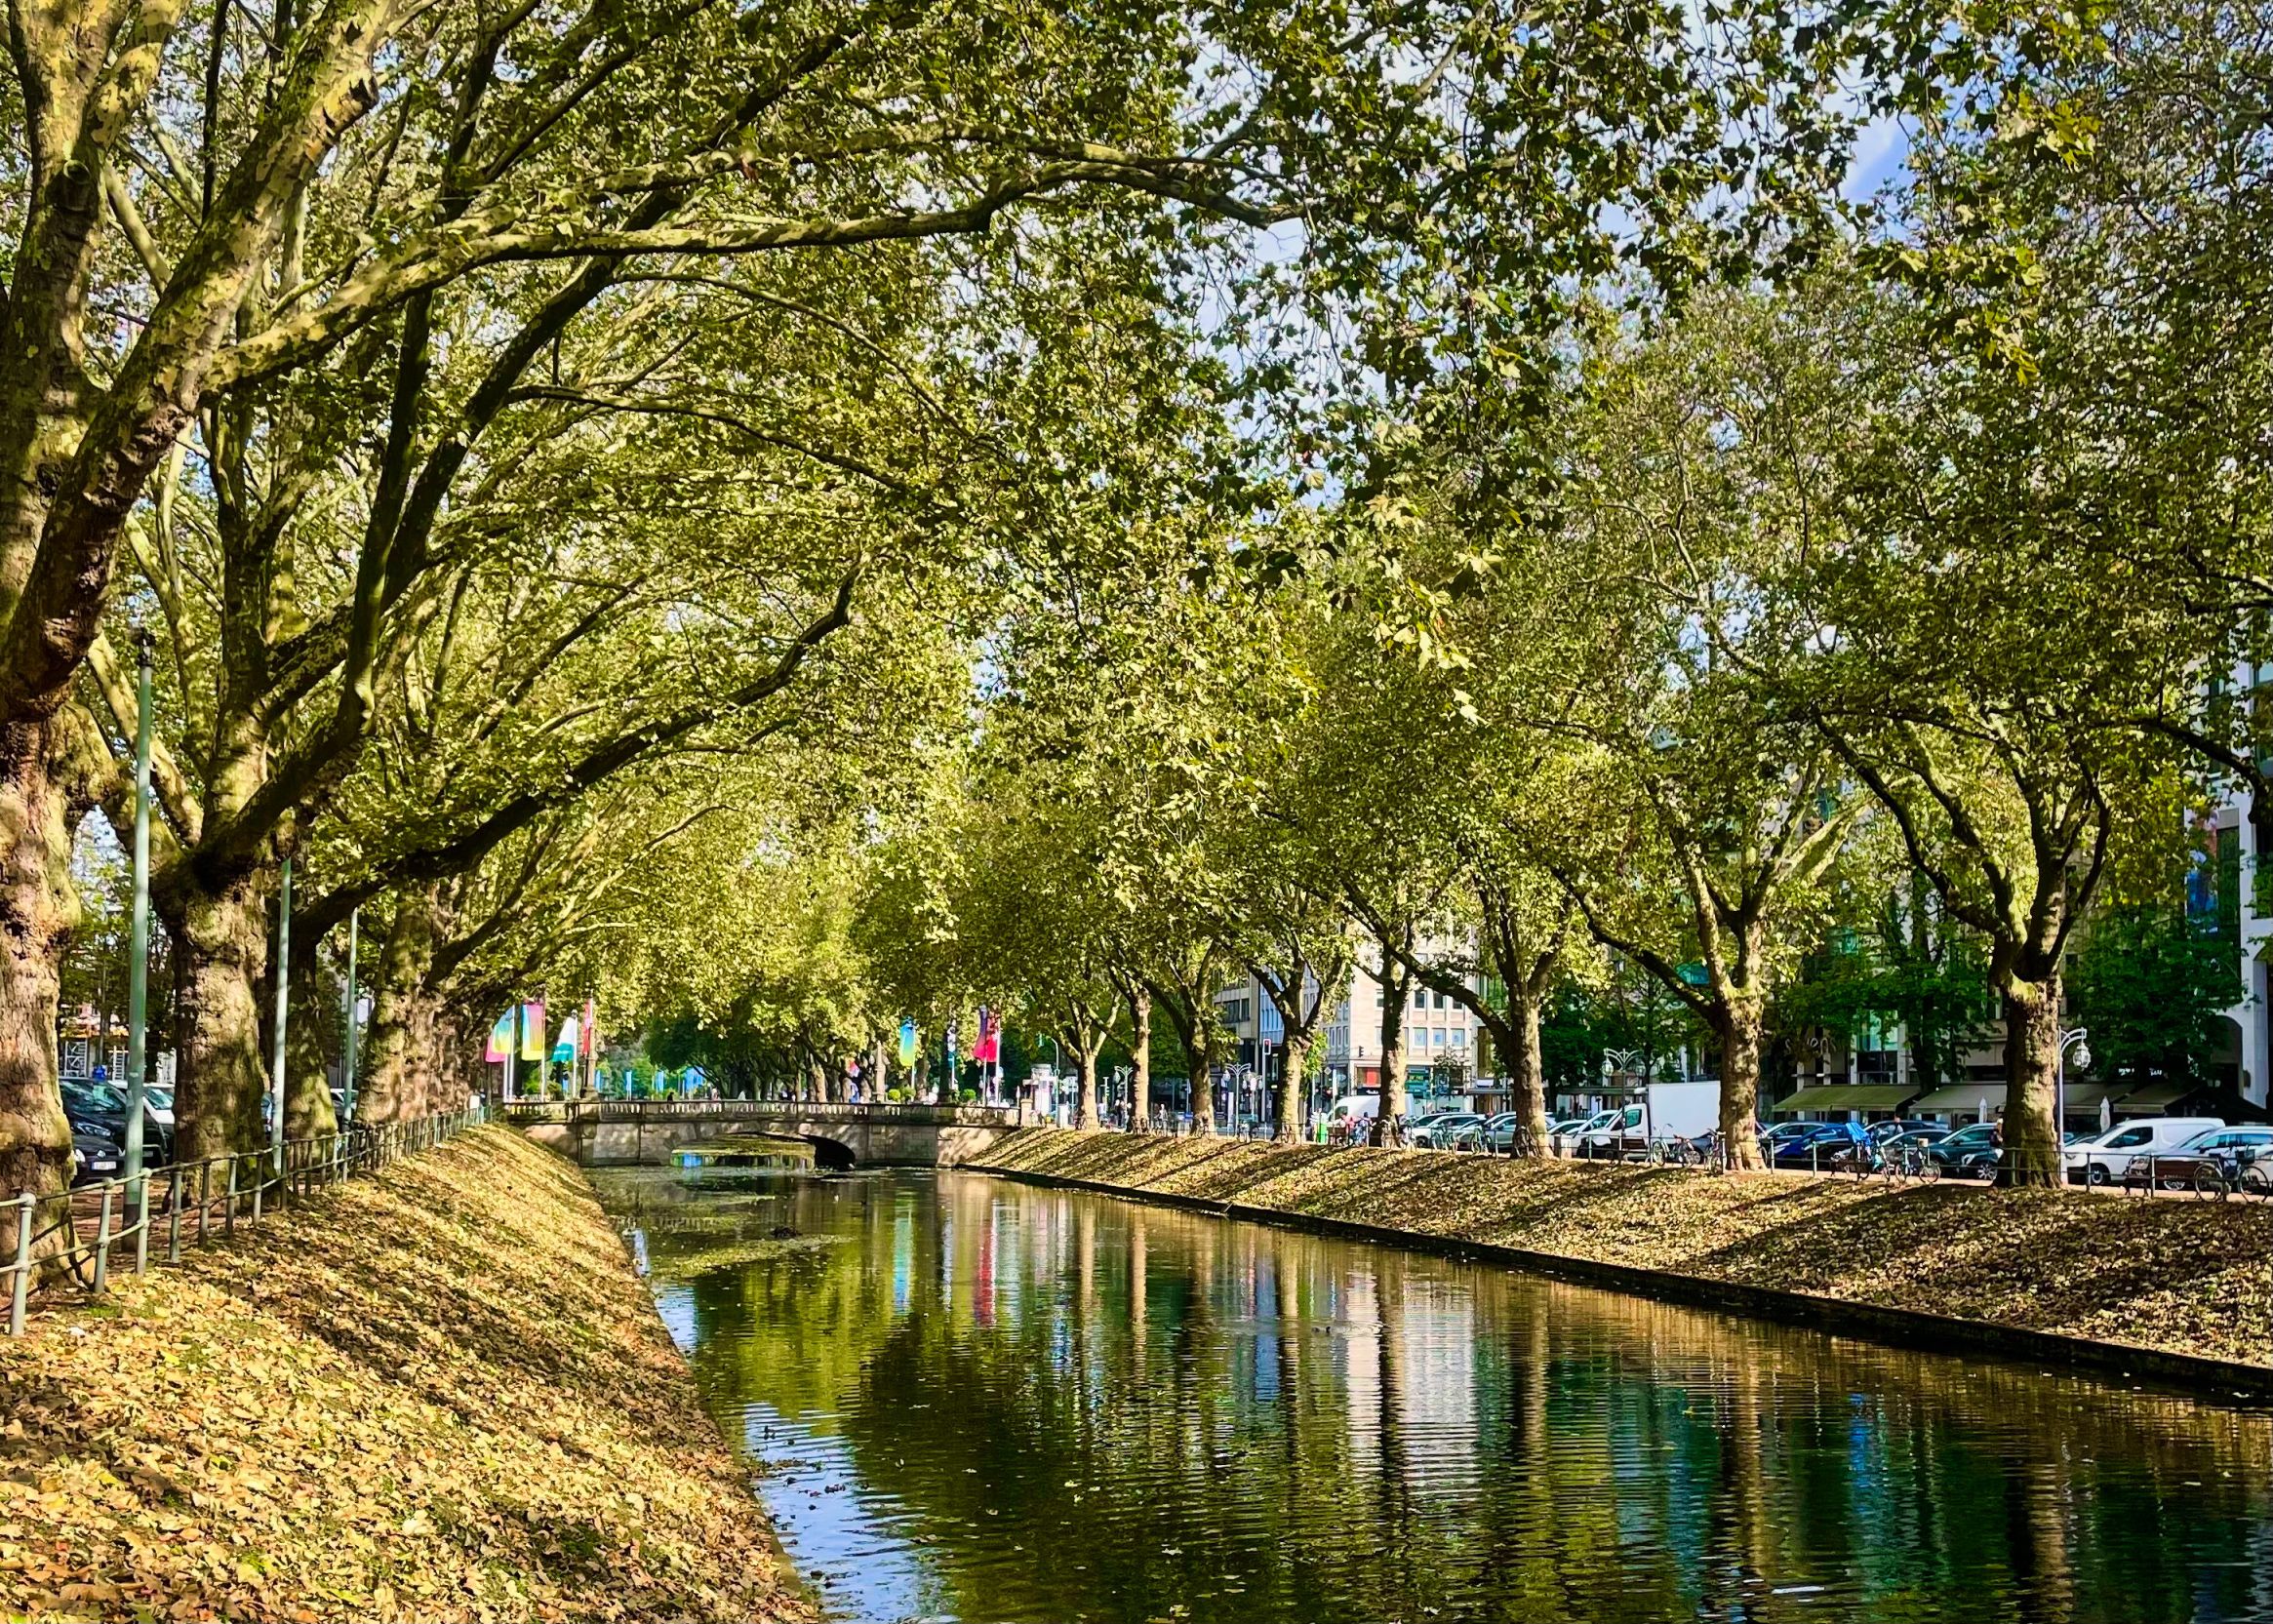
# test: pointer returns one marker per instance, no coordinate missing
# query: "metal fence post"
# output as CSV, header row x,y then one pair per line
x,y
143,1227
21,1287
103,1242
229,1200
259,1188
173,1215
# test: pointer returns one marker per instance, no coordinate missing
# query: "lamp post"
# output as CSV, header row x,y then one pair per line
x,y
348,1021
2074,1037
282,1002
138,962
1616,1060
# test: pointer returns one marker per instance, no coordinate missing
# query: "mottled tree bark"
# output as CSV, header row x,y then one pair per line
x,y
220,1070
2032,1050
311,1044
399,1016
1294,1071
37,910
1396,1001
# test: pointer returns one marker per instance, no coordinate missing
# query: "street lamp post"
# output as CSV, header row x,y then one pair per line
x,y
138,964
2074,1037
348,1021
283,992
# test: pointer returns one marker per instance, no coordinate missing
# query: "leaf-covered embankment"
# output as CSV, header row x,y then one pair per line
x,y
441,1393
2180,1275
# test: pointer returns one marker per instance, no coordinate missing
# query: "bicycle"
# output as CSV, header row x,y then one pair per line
x,y
2213,1181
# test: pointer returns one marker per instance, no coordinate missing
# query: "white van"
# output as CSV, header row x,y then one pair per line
x,y
2105,1158
1355,1107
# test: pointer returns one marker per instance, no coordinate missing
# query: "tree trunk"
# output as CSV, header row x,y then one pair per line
x,y
1526,1071
36,911
223,1073
425,1089
1084,1052
1139,1059
399,1017
1738,1030
1203,1079
310,1046
2032,1048
1396,995
1293,1073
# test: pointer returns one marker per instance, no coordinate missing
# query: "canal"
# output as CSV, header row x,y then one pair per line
x,y
971,1400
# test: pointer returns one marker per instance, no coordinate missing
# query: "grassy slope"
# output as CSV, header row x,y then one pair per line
x,y
2183,1275
438,1393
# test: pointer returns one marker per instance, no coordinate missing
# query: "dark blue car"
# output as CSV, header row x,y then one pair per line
x,y
1822,1146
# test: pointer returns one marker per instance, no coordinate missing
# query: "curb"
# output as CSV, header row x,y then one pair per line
x,y
2198,1376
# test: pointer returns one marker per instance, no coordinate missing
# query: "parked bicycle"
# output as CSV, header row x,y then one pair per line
x,y
2216,1179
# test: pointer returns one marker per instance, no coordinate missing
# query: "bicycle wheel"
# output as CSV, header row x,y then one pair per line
x,y
2257,1179
2209,1182
1927,1169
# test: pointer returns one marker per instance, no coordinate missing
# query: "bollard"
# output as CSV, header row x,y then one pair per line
x,y
103,1242
20,1287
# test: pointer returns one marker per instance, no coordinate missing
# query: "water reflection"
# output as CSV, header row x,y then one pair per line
x,y
985,1402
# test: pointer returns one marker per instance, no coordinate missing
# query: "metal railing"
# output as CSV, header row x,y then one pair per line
x,y
43,1233
682,1110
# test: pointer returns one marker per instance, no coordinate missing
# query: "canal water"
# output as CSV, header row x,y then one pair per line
x,y
971,1400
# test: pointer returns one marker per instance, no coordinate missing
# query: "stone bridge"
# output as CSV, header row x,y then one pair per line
x,y
648,1133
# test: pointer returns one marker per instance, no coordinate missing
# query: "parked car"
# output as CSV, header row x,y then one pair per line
x,y
1609,1135
2221,1151
1970,1152
1499,1132
95,1156
2107,1158
1884,1132
1819,1147
1569,1136
1437,1132
100,1109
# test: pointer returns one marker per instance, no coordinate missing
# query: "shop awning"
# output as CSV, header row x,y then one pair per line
x,y
2154,1097
1963,1096
2086,1097
1846,1096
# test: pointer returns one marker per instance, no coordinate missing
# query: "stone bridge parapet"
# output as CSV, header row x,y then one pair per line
x,y
649,1132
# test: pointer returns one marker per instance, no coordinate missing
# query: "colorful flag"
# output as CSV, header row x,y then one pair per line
x,y
533,1031
501,1044
988,1049
563,1046
908,1044
589,1035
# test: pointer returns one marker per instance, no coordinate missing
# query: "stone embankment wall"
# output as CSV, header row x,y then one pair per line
x,y
2176,1289
441,1393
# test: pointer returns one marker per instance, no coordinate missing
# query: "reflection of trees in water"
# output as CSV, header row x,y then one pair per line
x,y
1269,1425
